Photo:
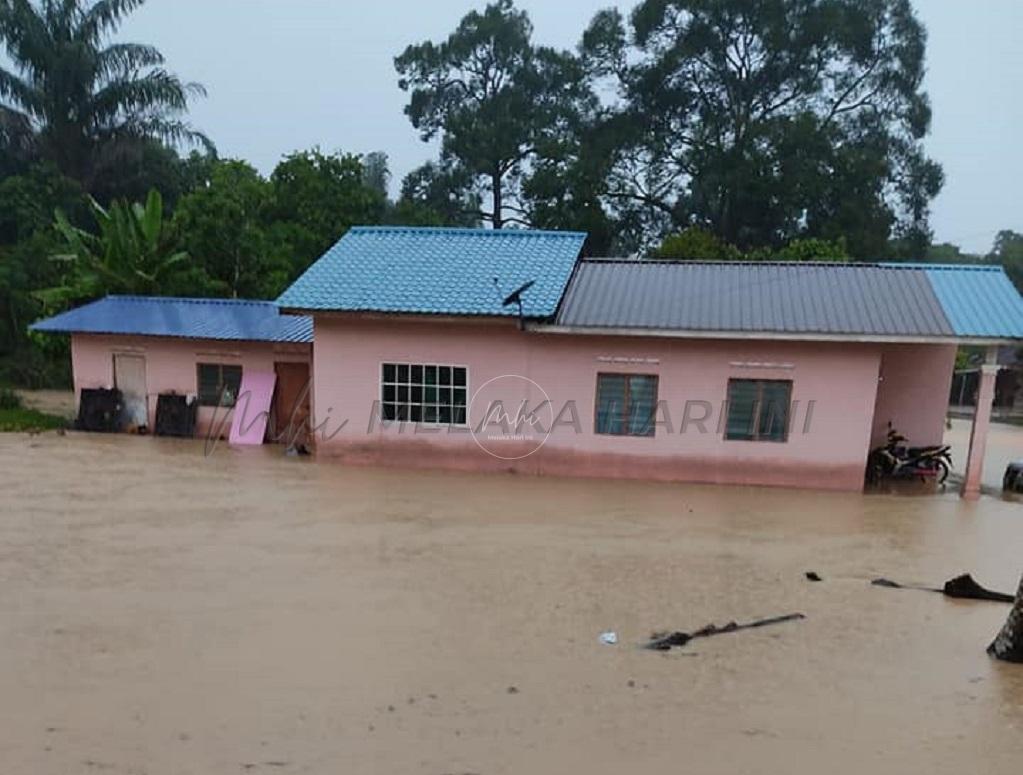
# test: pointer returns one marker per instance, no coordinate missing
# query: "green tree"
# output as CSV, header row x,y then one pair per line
x,y
696,244
376,173
493,97
319,197
27,239
28,201
133,251
769,120
225,228
947,253
77,99
437,194
813,249
1008,251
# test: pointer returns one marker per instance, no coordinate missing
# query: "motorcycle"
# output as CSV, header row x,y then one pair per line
x,y
894,460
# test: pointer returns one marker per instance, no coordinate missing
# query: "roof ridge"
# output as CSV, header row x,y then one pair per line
x,y
956,267
701,262
187,299
474,231
830,264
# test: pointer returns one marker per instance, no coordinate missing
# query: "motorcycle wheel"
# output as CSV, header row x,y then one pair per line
x,y
942,467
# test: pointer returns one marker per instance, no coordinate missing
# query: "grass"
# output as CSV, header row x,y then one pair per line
x,y
21,419
15,417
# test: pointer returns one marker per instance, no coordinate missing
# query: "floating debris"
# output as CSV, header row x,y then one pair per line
x,y
664,641
964,587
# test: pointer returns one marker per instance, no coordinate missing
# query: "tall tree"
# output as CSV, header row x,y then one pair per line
x,y
77,99
493,97
769,120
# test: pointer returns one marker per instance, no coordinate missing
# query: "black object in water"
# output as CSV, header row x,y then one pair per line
x,y
964,586
99,410
666,640
175,416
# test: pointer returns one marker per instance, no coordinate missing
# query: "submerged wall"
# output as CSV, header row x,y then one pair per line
x,y
171,366
834,390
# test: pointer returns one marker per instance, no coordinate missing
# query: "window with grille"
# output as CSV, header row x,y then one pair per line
x,y
626,404
758,410
218,384
423,392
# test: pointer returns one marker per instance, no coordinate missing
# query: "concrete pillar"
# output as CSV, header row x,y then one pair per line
x,y
981,420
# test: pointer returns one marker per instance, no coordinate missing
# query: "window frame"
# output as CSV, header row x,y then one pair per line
x,y
222,385
758,403
381,383
625,433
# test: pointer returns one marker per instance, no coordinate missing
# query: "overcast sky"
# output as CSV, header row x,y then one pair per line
x,y
285,75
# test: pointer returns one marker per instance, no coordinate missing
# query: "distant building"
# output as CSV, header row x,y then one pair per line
x,y
1008,383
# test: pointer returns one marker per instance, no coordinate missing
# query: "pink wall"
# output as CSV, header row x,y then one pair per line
x,y
912,392
841,380
171,364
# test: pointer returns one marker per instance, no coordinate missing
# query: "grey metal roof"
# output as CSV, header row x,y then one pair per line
x,y
222,319
790,298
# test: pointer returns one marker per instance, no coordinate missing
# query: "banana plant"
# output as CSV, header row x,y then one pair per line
x,y
133,251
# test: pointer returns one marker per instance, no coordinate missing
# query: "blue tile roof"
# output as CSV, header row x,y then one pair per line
x,y
979,301
439,271
222,319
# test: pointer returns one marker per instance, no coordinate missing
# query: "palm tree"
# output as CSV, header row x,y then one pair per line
x,y
76,99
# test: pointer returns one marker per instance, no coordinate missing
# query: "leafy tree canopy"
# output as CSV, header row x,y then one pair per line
x,y
1008,251
323,196
79,100
437,194
696,244
223,225
770,120
493,97
134,250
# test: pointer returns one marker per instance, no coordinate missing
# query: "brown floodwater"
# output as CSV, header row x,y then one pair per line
x,y
164,612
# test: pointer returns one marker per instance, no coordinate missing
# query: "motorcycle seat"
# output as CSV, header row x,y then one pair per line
x,y
914,451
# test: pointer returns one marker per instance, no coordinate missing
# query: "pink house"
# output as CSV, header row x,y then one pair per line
x,y
506,351
196,348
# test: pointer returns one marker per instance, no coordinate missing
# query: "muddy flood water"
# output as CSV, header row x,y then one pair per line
x,y
161,612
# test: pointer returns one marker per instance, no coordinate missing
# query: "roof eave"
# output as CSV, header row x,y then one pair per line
x,y
433,317
791,336
143,335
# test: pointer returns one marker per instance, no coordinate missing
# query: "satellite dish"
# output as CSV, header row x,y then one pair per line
x,y
515,297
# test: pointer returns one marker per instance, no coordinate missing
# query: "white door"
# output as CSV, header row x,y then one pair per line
x,y
130,379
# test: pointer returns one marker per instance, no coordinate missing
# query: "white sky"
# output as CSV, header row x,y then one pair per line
x,y
285,75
